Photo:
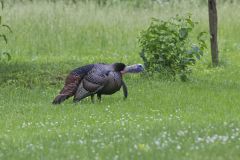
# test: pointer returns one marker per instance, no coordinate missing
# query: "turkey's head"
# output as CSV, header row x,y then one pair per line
x,y
136,68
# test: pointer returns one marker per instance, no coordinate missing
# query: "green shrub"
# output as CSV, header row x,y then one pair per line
x,y
167,47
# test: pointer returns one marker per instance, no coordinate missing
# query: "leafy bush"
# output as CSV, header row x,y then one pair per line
x,y
167,47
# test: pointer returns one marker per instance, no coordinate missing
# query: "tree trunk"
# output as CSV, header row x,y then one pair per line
x,y
212,10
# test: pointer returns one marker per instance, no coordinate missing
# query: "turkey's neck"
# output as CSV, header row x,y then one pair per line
x,y
129,69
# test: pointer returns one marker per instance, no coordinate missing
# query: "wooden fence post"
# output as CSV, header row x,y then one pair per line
x,y
212,10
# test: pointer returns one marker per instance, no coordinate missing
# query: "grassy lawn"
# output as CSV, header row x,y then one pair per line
x,y
161,119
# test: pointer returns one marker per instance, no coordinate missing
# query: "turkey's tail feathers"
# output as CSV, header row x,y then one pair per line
x,y
60,98
68,90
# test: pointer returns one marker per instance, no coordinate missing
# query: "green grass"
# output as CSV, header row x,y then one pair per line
x,y
161,119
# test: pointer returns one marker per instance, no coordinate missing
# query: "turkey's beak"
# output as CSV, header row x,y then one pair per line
x,y
136,68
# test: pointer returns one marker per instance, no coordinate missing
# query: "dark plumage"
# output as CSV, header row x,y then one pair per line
x,y
92,79
100,81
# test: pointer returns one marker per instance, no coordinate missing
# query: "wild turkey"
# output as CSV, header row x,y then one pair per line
x,y
95,79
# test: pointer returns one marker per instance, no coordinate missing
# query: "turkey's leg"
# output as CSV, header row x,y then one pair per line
x,y
92,98
99,96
